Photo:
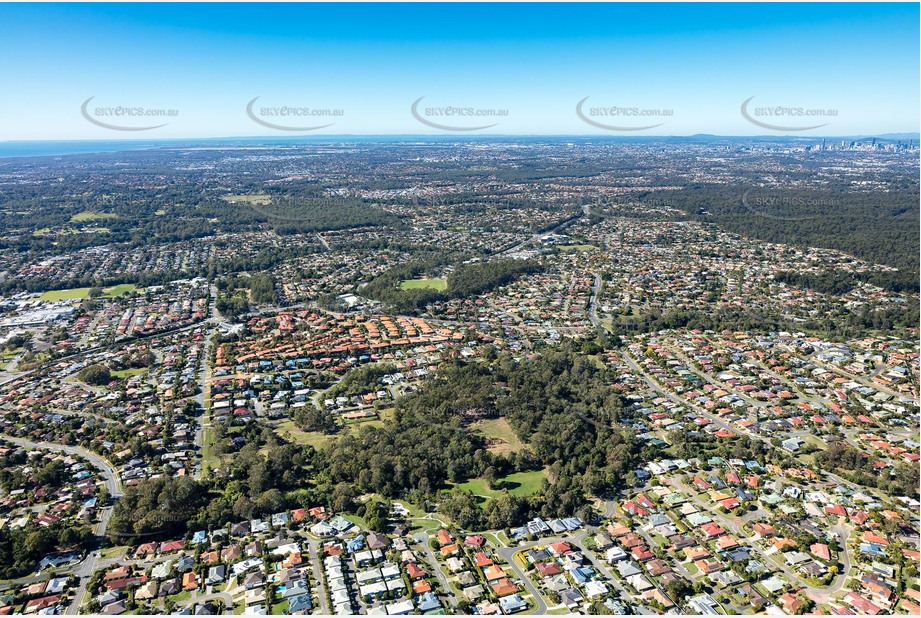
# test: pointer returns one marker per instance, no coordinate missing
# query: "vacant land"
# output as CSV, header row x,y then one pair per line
x,y
499,435
415,284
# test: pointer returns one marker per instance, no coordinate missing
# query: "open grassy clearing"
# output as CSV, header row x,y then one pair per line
x,y
128,373
499,434
416,284
315,439
92,216
517,484
80,293
318,439
111,552
577,248
415,511
248,199
71,294
118,290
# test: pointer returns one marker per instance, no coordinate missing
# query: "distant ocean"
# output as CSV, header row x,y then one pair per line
x,y
78,147
48,148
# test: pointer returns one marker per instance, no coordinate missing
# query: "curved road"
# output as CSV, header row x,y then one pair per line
x,y
423,540
114,487
507,554
112,480
228,600
820,594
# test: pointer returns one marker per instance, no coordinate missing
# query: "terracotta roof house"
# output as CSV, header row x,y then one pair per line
x,y
820,550
504,587
493,572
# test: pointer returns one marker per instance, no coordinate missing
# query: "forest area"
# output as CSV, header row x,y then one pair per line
x,y
880,227
560,403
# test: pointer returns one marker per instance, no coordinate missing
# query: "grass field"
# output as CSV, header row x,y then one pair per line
x,y
208,455
249,199
127,373
499,433
318,440
111,552
414,510
577,248
92,216
118,290
518,484
416,284
299,436
80,293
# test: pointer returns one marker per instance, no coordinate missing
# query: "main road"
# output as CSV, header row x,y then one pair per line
x,y
593,303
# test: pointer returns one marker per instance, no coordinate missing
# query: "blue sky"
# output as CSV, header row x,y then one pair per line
x,y
536,61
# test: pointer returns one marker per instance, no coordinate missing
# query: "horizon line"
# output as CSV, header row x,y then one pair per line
x,y
462,136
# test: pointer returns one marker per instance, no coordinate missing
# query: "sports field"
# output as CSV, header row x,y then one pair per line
x,y
79,293
416,284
